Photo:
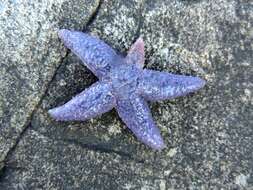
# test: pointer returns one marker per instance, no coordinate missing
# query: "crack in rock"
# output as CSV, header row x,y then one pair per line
x,y
28,121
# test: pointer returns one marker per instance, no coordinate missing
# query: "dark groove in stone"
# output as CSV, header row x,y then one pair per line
x,y
92,17
28,123
140,20
2,172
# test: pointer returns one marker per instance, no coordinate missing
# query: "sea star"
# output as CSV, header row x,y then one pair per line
x,y
123,84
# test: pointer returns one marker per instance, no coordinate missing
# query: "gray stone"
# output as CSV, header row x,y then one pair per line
x,y
30,53
208,134
1,167
76,167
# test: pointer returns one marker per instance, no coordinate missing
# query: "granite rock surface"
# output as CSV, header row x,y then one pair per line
x,y
30,53
208,134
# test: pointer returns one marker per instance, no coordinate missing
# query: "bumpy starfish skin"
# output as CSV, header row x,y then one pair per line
x,y
123,84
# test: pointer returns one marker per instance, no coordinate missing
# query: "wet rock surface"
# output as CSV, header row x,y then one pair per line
x,y
30,53
208,134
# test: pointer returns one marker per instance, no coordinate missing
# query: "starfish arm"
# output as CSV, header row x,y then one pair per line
x,y
98,56
90,103
155,85
136,53
136,115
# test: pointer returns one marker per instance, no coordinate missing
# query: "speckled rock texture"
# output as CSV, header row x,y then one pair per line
x,y
208,134
30,52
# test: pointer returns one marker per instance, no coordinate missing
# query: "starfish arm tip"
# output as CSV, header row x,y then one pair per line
x,y
53,113
197,83
140,40
138,45
161,85
58,114
90,103
136,115
98,56
62,32
202,82
159,146
136,54
156,141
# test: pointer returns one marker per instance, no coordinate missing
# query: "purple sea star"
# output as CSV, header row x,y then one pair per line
x,y
123,84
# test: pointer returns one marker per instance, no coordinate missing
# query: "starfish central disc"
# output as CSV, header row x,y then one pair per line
x,y
125,80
